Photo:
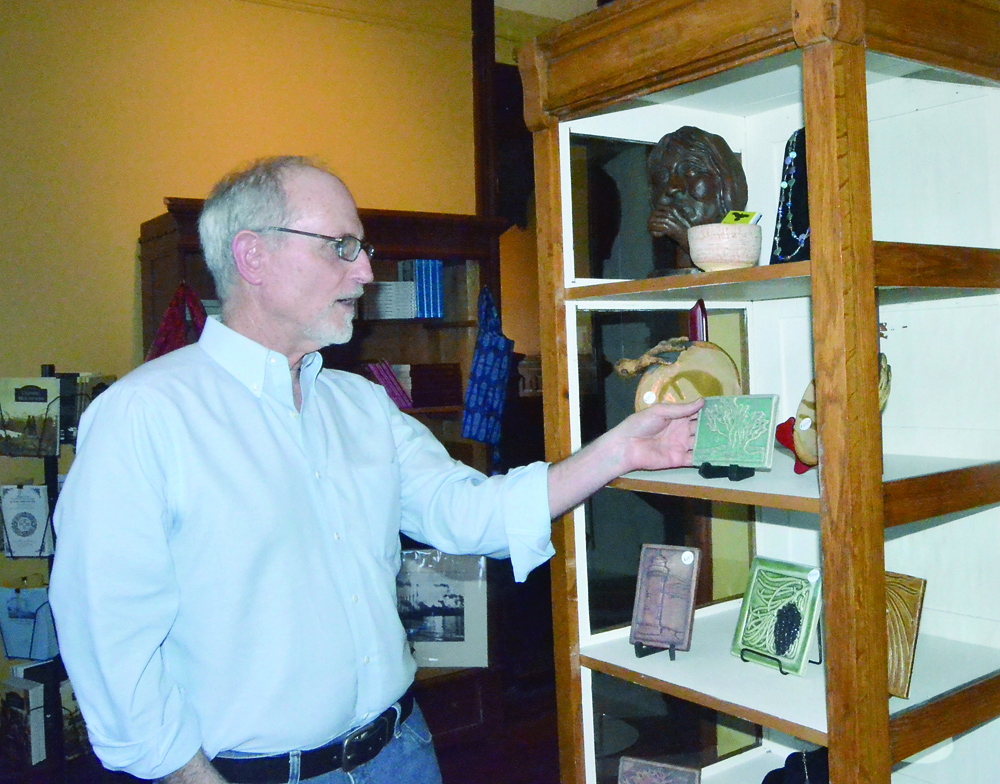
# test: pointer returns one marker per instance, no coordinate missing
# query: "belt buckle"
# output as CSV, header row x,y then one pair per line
x,y
365,743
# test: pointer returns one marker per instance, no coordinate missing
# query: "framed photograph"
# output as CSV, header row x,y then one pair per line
x,y
904,602
736,431
442,604
663,614
29,417
632,770
778,618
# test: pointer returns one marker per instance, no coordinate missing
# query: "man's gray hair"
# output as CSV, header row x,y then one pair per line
x,y
252,198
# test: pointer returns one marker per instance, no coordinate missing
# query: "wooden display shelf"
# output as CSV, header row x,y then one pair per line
x,y
923,495
710,675
955,685
427,323
779,488
949,711
775,281
433,410
914,487
859,77
897,265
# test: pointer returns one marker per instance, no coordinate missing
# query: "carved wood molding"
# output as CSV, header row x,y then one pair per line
x,y
828,20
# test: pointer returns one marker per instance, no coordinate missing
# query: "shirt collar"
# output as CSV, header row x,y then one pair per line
x,y
256,367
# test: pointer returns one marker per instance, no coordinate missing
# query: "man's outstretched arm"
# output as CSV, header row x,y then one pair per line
x,y
657,437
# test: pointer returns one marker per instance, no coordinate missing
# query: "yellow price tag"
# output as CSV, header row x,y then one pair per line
x,y
737,216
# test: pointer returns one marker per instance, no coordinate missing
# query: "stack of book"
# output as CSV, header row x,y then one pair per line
x,y
402,374
381,373
427,276
389,300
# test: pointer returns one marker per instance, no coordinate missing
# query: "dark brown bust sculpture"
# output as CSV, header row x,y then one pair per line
x,y
694,178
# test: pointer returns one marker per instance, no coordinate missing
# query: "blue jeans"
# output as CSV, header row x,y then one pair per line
x,y
408,758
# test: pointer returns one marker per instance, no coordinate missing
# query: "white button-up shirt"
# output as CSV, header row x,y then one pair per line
x,y
225,568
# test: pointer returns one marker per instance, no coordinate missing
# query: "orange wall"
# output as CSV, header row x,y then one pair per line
x,y
111,105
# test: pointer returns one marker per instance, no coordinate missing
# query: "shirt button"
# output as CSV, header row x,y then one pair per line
x,y
317,474
367,660
336,536
354,598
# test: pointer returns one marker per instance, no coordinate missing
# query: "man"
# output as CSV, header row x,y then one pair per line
x,y
224,583
694,178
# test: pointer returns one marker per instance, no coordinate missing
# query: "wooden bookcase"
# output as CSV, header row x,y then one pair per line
x,y
900,102
169,252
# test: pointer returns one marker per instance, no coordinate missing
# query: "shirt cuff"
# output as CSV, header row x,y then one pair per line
x,y
527,523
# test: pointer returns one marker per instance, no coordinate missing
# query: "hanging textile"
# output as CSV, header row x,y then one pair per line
x,y
182,323
487,388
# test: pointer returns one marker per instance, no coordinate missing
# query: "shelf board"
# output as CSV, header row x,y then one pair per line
x,y
936,266
920,495
429,323
754,764
710,675
916,487
776,281
955,685
749,766
433,410
931,271
779,488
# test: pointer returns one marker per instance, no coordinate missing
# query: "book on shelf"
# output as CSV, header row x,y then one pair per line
x,y
389,299
426,275
402,374
381,373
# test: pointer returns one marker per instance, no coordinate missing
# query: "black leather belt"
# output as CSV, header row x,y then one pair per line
x,y
357,748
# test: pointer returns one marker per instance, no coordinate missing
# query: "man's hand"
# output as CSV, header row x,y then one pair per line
x,y
660,436
657,437
198,770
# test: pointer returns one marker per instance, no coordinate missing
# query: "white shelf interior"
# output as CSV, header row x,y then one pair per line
x,y
784,702
710,669
780,480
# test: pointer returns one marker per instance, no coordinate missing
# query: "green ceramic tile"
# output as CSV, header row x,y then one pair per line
x,y
736,431
779,614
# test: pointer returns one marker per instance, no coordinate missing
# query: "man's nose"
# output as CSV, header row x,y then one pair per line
x,y
361,268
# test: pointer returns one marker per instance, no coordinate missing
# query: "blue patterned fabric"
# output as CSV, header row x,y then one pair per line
x,y
487,388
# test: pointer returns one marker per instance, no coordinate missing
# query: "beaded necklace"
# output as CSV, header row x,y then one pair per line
x,y
785,219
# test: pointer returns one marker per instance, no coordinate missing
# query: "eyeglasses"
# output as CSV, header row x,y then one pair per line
x,y
347,247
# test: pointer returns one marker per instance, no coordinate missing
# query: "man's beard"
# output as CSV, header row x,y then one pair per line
x,y
327,334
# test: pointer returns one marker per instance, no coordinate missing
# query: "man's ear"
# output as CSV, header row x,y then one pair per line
x,y
250,253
